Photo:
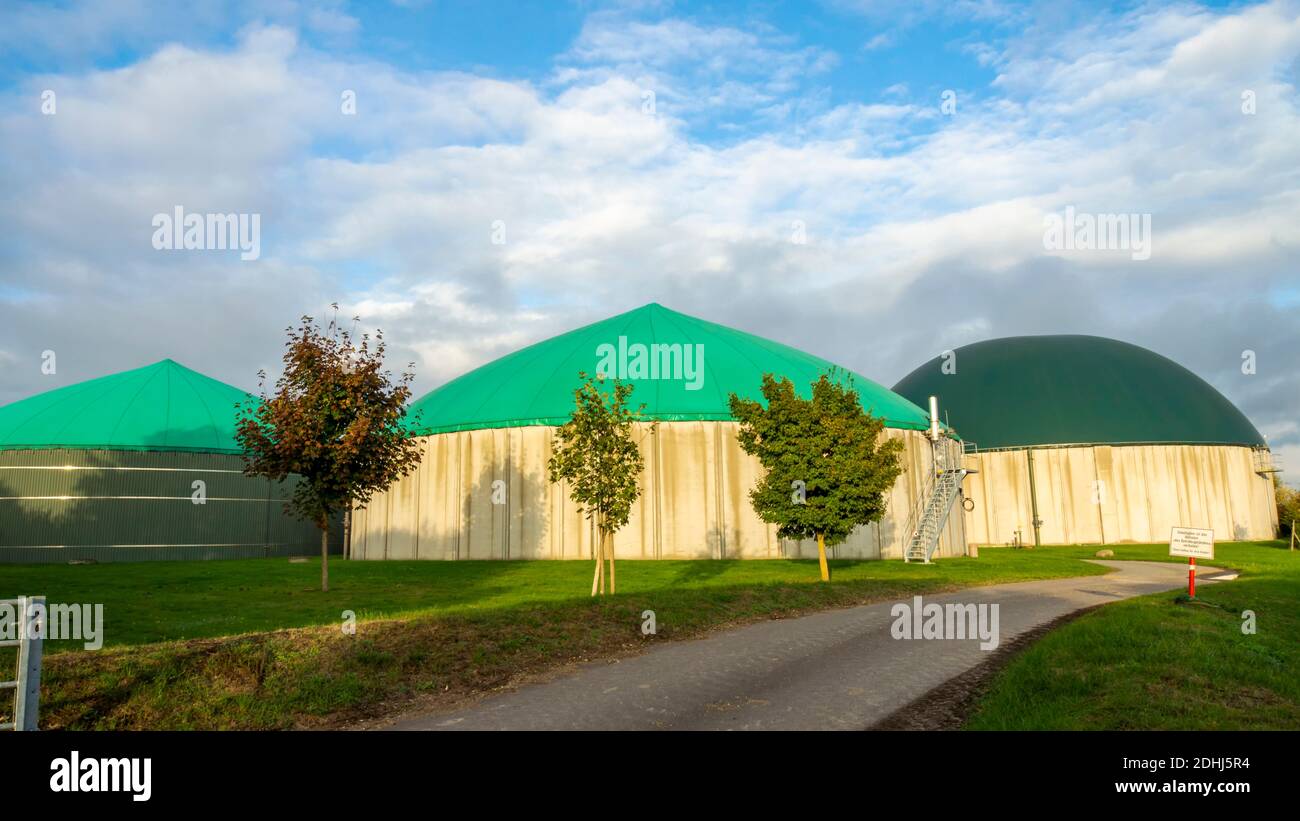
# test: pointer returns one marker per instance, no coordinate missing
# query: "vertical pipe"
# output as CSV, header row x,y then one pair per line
x,y
1033,501
270,495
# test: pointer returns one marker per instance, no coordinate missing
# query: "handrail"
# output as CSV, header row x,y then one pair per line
x,y
918,510
947,467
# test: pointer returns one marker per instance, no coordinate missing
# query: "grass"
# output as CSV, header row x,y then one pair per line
x,y
148,602
200,645
205,645
1159,662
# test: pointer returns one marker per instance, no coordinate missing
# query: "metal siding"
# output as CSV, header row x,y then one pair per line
x,y
94,517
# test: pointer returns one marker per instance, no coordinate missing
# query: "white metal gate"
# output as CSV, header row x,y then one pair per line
x,y
29,641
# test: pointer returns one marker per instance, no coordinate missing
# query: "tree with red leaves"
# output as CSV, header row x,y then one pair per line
x,y
334,419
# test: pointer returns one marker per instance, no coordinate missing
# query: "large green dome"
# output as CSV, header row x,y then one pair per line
x,y
534,386
1064,390
162,407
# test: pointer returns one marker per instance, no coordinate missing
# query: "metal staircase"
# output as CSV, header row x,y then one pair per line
x,y
931,514
925,525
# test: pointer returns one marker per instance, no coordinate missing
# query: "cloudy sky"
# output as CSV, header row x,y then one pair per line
x,y
869,181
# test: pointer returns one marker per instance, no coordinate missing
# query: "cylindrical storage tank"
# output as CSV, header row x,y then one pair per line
x,y
138,465
1125,444
482,490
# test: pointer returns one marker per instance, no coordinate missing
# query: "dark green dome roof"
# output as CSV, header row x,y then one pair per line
x,y
534,386
1064,390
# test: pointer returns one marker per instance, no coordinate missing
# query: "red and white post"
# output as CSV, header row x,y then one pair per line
x,y
1193,543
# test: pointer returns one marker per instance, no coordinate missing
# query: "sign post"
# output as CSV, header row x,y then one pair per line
x,y
1194,543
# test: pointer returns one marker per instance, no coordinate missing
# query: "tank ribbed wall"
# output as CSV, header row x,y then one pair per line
x,y
484,494
1104,494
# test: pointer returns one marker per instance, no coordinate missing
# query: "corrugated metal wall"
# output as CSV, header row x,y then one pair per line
x,y
1103,494
694,502
65,505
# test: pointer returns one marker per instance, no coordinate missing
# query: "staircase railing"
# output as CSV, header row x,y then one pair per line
x,y
918,512
925,538
1266,462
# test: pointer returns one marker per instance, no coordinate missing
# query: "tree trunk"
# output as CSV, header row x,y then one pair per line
x,y
597,578
325,557
821,557
610,540
347,533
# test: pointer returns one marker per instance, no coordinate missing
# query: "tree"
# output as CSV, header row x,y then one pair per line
x,y
596,455
335,420
1288,508
827,468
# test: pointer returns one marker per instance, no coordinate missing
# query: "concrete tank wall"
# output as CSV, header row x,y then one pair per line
x,y
694,502
1102,494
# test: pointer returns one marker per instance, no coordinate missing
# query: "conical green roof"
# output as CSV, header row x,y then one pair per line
x,y
534,386
164,407
1074,390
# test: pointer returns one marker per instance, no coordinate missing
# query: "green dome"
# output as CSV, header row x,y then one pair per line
x,y
164,407
534,386
1066,390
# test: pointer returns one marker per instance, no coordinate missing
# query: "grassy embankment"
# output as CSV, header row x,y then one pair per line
x,y
254,644
1158,662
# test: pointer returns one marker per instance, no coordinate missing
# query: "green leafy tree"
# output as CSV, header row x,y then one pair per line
x,y
1288,507
596,455
827,466
335,420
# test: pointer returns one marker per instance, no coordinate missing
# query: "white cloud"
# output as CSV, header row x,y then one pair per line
x,y
879,41
693,69
924,231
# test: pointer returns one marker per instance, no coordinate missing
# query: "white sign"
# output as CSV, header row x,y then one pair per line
x,y
1191,542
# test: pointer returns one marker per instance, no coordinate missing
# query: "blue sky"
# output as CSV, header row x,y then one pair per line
x,y
868,54
521,40
786,168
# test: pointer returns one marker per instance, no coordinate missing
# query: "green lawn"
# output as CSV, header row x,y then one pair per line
x,y
204,645
158,601
1159,663
439,632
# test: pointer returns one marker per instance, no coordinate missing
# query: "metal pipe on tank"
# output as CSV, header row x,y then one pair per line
x,y
1033,501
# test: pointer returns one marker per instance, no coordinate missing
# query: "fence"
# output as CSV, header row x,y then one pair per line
x,y
29,641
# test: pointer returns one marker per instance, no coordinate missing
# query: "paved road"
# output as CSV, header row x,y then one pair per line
x,y
836,670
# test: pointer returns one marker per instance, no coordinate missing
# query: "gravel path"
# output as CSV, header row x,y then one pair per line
x,y
836,670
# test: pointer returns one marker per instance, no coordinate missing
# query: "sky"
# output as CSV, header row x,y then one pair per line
x,y
867,181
